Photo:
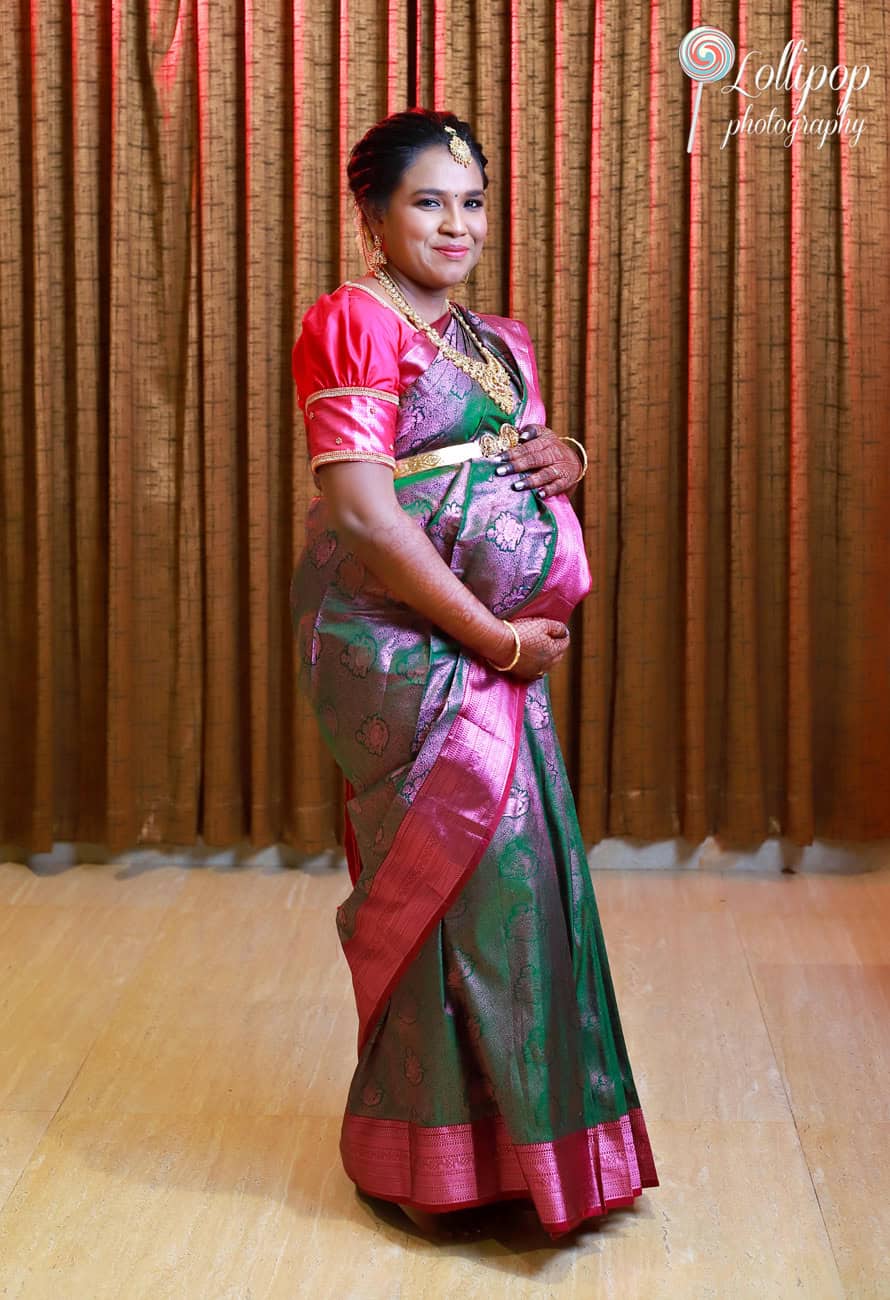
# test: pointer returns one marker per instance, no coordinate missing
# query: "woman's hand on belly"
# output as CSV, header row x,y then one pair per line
x,y
546,465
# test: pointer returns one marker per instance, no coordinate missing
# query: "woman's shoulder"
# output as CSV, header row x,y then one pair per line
x,y
355,306
347,338
511,325
513,331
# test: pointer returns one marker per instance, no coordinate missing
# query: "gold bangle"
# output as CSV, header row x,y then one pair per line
x,y
583,458
515,660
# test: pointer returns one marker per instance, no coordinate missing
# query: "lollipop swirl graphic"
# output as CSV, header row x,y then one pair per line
x,y
706,54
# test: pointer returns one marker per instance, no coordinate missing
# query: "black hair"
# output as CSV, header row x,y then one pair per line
x,y
380,158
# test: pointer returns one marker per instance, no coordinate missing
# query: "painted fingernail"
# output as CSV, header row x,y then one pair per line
x,y
540,492
519,483
504,469
527,435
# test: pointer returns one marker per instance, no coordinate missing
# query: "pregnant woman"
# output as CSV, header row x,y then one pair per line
x,y
443,557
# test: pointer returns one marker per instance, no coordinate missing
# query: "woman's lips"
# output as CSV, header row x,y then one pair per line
x,y
453,252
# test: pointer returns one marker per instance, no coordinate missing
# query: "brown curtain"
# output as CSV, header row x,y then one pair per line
x,y
715,327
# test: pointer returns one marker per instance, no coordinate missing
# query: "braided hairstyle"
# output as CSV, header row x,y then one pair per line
x,y
379,159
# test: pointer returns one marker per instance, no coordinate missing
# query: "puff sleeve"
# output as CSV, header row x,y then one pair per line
x,y
346,367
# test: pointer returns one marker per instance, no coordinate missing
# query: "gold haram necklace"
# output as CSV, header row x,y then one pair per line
x,y
490,374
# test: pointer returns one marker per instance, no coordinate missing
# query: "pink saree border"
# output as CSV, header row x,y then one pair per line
x,y
423,872
579,1176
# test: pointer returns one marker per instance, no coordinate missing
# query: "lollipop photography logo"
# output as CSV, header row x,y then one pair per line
x,y
707,54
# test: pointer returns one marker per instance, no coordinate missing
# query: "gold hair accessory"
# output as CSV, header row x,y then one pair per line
x,y
459,147
490,374
583,458
515,660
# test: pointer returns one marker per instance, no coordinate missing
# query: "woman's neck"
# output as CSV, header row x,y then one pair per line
x,y
430,304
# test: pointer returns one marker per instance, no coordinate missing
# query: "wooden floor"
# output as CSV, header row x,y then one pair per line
x,y
176,1044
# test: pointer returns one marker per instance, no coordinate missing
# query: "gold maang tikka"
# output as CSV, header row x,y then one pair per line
x,y
459,147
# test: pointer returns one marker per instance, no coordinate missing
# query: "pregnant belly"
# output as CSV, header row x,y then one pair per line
x,y
568,579
520,555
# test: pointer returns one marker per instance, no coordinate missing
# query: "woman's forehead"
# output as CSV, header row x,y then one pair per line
x,y
436,169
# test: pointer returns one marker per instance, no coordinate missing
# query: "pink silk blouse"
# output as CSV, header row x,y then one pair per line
x,y
354,358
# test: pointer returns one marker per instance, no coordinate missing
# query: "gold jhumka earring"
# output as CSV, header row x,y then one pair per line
x,y
375,258
378,257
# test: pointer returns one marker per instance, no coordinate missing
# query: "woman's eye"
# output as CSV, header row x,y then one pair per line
x,y
476,202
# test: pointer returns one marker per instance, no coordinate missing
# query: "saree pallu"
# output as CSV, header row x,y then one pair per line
x,y
491,1059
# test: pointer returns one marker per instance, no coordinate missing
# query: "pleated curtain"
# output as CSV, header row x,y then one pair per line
x,y
714,326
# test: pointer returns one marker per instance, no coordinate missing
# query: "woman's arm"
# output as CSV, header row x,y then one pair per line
x,y
365,510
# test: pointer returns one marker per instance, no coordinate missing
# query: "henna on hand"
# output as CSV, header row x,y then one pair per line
x,y
542,462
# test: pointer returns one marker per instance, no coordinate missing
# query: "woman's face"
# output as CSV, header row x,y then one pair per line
x,y
439,204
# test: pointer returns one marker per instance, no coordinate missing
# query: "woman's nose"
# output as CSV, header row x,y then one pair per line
x,y
453,220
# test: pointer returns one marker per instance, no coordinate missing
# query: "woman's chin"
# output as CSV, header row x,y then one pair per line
x,y
441,280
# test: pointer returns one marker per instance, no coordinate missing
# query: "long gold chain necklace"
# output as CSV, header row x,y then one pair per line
x,y
491,375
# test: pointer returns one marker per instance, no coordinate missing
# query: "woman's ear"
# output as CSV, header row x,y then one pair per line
x,y
373,220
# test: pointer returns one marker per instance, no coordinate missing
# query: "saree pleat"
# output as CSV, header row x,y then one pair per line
x,y
491,1059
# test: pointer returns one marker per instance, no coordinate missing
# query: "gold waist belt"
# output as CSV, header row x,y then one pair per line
x,y
490,444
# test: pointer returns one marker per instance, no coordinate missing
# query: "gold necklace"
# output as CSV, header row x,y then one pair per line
x,y
490,374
